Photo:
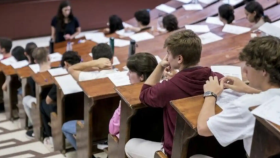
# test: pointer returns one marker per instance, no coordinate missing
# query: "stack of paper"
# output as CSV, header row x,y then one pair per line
x,y
165,8
226,70
192,7
207,1
119,78
121,43
125,33
198,28
270,29
54,57
20,64
209,38
235,29
9,61
277,23
142,36
270,110
214,20
68,84
58,71
232,2
185,1
35,67
97,37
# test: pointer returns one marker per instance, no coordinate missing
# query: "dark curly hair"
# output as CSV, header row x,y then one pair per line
x,y
170,22
263,53
70,57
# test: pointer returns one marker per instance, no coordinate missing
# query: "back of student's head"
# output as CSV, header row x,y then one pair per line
x,y
29,48
142,63
70,57
263,54
256,9
5,43
102,50
40,55
170,22
143,16
247,1
185,43
115,23
18,53
226,12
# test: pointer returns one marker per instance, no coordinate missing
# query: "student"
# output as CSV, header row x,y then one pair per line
x,y
81,71
143,20
115,24
29,48
261,56
64,26
226,13
170,22
5,47
18,53
255,14
183,53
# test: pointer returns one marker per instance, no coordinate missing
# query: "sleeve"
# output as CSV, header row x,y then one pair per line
x,y
54,22
114,125
84,76
77,24
155,96
53,93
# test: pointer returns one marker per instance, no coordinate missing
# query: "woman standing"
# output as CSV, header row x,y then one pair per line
x,y
64,25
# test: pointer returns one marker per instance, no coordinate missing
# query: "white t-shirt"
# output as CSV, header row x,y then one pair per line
x,y
84,76
236,122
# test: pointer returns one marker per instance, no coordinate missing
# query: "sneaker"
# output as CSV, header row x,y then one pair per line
x,y
102,146
48,141
30,134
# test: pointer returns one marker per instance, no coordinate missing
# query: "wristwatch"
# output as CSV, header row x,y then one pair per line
x,y
210,94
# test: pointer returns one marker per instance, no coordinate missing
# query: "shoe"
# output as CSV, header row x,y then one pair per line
x,y
48,141
30,134
102,146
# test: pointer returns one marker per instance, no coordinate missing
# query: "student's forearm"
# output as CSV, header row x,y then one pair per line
x,y
156,76
75,34
207,111
84,65
251,90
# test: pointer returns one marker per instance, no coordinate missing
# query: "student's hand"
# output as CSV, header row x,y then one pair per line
x,y
67,37
168,73
235,84
104,63
164,63
213,85
107,30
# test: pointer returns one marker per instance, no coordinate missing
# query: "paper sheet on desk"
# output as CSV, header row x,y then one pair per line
x,y
198,28
54,57
126,25
270,29
209,38
270,110
207,1
68,84
185,1
58,71
1,56
226,97
232,2
35,68
115,60
9,61
119,78
277,23
165,8
235,29
214,20
125,33
121,43
192,7
226,70
20,64
97,37
142,36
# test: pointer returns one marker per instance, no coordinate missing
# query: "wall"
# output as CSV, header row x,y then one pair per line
x,y
31,18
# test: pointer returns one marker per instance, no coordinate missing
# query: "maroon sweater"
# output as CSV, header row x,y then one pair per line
x,y
186,83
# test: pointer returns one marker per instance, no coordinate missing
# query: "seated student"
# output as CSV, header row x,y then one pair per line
x,y
29,48
255,14
226,13
143,20
18,53
5,47
183,53
85,71
115,24
169,23
261,56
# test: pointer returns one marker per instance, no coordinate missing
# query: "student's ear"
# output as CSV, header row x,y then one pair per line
x,y
141,78
49,59
25,54
254,13
264,73
180,59
112,60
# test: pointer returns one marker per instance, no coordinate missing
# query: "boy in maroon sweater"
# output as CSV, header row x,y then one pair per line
x,y
183,53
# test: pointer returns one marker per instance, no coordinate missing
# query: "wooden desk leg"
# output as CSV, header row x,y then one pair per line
x,y
7,99
183,134
265,143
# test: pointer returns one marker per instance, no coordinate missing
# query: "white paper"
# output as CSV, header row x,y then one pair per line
x,y
277,23
97,37
165,8
270,29
20,64
207,1
232,2
198,28
115,61
35,68
9,61
54,57
226,70
209,38
119,78
214,20
58,71
185,1
226,97
192,7
270,110
142,36
1,56
126,25
158,58
235,29
125,33
121,43
68,84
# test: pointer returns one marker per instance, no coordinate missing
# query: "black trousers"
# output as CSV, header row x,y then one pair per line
x,y
46,110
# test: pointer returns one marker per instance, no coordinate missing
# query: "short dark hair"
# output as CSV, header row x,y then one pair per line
x,y
142,64
70,57
170,22
29,48
40,54
115,23
6,43
254,6
226,11
102,50
185,43
263,53
18,53
143,16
